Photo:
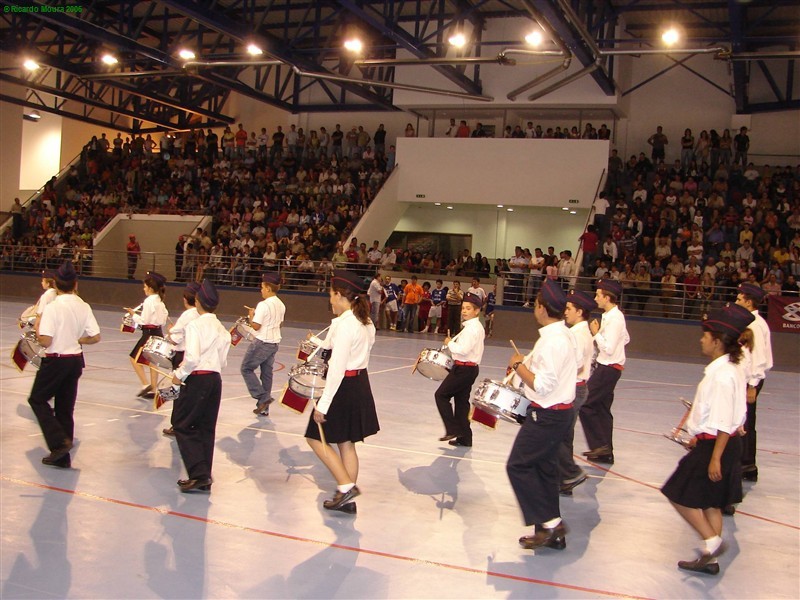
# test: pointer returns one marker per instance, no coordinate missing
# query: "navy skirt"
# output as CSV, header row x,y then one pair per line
x,y
351,416
690,486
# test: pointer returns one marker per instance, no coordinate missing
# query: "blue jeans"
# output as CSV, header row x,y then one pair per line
x,y
259,355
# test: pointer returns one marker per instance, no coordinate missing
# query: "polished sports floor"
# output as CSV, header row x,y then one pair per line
x,y
433,521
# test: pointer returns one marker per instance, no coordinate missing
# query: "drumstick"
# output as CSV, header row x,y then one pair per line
x,y
513,345
321,433
248,307
509,377
165,374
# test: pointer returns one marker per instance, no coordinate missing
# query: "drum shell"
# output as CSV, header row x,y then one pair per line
x,y
504,401
30,347
158,352
308,380
434,363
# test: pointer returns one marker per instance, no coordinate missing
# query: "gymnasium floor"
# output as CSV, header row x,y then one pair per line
x,y
433,521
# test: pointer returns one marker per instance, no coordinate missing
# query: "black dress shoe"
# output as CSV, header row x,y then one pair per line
x,y
349,508
341,498
62,463
144,391
606,459
551,538
700,565
58,453
447,437
597,451
459,442
729,510
566,488
200,485
169,431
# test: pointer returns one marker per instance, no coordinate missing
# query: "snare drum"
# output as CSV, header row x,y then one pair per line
x,y
158,352
309,347
504,401
241,330
435,363
28,350
308,380
128,326
28,318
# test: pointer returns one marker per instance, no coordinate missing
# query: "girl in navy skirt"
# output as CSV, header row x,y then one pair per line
x,y
709,477
151,321
346,411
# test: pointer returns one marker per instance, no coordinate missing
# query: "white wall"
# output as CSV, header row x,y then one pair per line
x,y
495,231
10,155
41,151
514,172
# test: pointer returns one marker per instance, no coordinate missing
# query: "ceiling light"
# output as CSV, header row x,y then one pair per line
x,y
438,203
671,36
499,206
187,54
254,50
573,212
534,38
449,208
109,59
510,209
564,208
353,45
30,64
32,116
458,40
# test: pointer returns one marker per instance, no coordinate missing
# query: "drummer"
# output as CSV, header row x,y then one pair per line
x,y
194,416
346,410
66,325
709,477
177,331
579,306
265,319
49,294
467,351
548,374
151,320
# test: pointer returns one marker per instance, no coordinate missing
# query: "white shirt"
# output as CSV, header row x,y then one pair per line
x,y
45,299
178,332
583,338
207,345
269,314
720,402
153,312
350,342
518,264
467,346
761,357
375,291
612,338
67,319
554,362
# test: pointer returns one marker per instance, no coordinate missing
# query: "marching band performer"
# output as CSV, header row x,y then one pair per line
x,y
611,337
151,321
579,307
467,351
547,374
66,324
708,478
177,331
265,319
346,411
194,416
49,294
750,296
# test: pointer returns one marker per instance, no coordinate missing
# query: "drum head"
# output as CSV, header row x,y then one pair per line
x,y
432,371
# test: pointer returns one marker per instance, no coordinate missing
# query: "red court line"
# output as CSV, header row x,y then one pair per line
x,y
295,538
655,487
628,429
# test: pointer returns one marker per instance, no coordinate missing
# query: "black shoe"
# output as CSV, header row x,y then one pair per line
x,y
729,510
751,475
447,437
58,453
262,408
62,463
606,459
349,508
700,565
168,432
341,498
200,485
460,442
551,538
597,451
566,488
144,391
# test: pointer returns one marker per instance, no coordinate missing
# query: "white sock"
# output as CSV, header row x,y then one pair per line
x,y
346,487
713,544
552,523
